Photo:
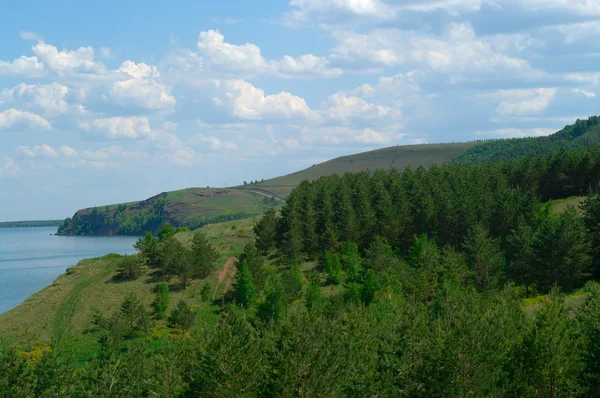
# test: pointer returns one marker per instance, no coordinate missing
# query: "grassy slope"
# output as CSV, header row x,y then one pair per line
x,y
399,157
65,308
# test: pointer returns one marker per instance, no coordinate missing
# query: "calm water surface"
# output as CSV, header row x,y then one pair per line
x,y
32,258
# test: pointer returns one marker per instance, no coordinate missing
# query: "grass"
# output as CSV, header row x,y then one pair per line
x,y
398,157
64,309
560,205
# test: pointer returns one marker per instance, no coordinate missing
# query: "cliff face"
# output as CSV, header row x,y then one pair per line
x,y
124,219
193,208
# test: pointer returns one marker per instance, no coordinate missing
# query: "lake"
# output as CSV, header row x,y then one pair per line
x,y
32,258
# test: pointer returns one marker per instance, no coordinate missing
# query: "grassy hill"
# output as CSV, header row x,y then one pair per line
x,y
195,207
191,207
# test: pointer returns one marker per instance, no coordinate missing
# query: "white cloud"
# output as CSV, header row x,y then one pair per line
x,y
9,169
521,102
248,102
68,151
342,108
214,142
146,93
138,70
211,44
12,117
221,57
67,62
585,93
48,98
327,9
120,127
44,151
370,136
22,66
458,51
30,36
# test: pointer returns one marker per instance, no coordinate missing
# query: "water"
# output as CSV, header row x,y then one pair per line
x,y
32,258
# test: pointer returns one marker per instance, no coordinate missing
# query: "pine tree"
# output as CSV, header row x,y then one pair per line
x,y
484,258
252,256
266,231
591,208
273,308
313,297
245,291
350,260
130,309
148,249
370,286
182,317
161,300
203,256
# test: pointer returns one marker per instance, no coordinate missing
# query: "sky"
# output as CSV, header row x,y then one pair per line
x,y
107,102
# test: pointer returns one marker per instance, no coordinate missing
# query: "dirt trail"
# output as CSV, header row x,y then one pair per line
x,y
266,195
225,276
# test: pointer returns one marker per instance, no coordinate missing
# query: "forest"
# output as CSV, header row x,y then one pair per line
x,y
389,284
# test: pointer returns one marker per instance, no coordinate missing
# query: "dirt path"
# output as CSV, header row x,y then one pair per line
x,y
225,276
266,195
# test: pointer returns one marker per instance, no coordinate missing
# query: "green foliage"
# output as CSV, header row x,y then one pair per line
x,y
130,268
130,309
182,317
252,256
161,300
350,259
484,258
266,231
148,249
313,297
245,291
333,268
273,308
166,231
293,280
203,256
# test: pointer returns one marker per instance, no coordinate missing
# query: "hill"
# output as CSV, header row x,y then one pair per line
x,y
191,207
195,207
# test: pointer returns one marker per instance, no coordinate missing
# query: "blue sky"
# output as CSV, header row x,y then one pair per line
x,y
116,101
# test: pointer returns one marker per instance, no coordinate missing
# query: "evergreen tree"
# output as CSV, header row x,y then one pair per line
x,y
161,300
252,256
484,258
370,286
591,208
273,308
313,297
130,309
332,266
166,231
203,256
245,291
148,249
350,259
130,268
182,317
266,232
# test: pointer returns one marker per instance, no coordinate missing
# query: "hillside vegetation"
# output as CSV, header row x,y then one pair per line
x,y
458,280
196,207
192,207
30,224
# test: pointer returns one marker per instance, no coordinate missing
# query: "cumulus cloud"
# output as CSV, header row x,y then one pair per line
x,y
22,66
328,9
119,127
67,62
458,51
44,151
341,107
47,98
248,102
14,117
521,102
141,87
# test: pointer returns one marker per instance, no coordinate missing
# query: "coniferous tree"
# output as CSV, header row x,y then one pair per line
x,y
484,258
252,256
313,297
182,317
245,291
333,268
148,249
161,300
273,308
203,256
130,309
266,231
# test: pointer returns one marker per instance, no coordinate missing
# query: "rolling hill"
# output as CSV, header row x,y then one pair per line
x,y
195,207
